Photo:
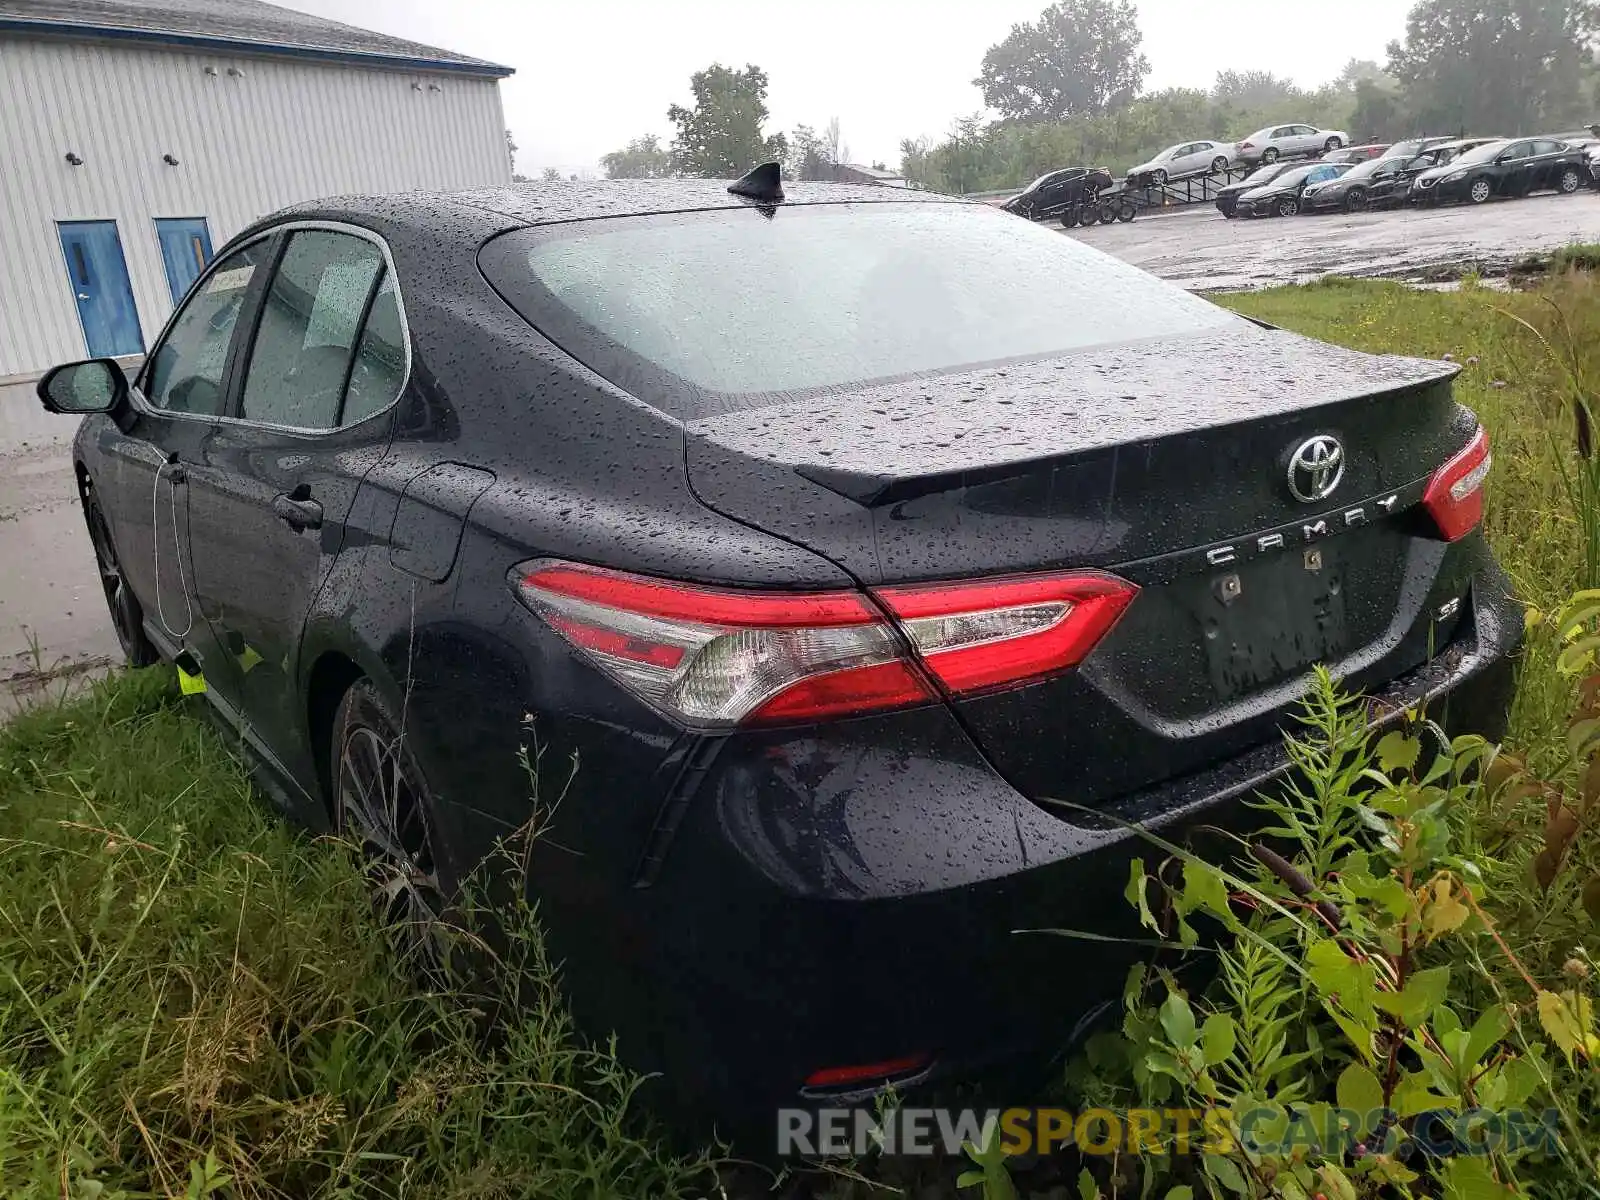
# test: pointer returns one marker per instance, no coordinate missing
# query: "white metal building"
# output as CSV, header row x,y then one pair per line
x,y
138,135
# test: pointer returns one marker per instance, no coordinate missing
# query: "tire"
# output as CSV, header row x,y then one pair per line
x,y
1127,211
1088,215
1107,213
1219,164
127,617
1569,182
1355,200
1479,191
381,800
1158,177
1332,144
1069,218
1269,156
1286,207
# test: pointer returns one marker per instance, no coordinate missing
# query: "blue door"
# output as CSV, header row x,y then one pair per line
x,y
185,250
99,277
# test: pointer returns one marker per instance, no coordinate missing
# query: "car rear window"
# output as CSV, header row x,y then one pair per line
x,y
710,312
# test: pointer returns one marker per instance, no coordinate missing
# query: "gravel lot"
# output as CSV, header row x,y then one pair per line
x,y
1203,250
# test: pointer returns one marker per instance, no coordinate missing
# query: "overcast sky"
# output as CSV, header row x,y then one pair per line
x,y
591,74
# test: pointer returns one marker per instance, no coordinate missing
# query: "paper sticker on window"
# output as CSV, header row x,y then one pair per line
x,y
230,280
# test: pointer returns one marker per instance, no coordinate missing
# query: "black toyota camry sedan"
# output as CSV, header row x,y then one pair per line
x,y
876,557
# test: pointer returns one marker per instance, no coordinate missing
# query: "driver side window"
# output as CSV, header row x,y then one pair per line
x,y
185,373
310,323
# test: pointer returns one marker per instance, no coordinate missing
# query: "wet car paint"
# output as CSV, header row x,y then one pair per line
x,y
740,908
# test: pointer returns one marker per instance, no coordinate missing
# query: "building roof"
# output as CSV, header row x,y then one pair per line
x,y
875,172
240,26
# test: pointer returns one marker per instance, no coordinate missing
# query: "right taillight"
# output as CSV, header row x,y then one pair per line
x,y
721,657
1454,496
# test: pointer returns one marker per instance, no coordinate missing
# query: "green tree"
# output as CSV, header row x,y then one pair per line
x,y
810,154
1496,66
1379,114
721,136
643,158
1080,58
1359,70
1254,90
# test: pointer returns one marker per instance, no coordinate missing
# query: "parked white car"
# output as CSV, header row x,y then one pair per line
x,y
1186,158
1277,141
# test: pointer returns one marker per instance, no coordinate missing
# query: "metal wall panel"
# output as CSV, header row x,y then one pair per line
x,y
277,132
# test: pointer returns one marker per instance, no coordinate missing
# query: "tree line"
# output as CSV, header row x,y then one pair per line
x,y
1068,89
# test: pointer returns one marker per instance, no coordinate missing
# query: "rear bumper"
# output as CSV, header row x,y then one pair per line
x,y
828,903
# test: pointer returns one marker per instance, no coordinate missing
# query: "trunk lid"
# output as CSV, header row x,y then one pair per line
x,y
1166,462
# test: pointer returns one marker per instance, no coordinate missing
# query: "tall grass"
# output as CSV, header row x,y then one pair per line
x,y
195,998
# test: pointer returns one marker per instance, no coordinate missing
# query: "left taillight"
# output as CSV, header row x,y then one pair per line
x,y
722,657
1454,496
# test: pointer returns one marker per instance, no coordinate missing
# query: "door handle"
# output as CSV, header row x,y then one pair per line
x,y
297,513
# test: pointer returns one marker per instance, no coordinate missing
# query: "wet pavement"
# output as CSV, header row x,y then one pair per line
x,y
1202,250
54,628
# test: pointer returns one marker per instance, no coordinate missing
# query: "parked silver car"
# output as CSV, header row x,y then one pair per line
x,y
1278,141
1186,158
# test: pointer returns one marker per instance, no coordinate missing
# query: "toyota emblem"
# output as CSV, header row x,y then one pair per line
x,y
1315,468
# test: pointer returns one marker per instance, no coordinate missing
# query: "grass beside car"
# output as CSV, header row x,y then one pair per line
x,y
196,1000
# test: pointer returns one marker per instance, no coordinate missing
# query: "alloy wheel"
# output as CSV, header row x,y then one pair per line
x,y
382,802
1570,182
1219,163
1480,191
126,619
1159,176
1288,206
1356,200
1269,155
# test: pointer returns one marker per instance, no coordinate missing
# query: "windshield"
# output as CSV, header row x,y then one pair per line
x,y
715,311
1265,174
1482,154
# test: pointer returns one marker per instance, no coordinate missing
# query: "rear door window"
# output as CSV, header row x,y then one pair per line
x,y
311,321
713,311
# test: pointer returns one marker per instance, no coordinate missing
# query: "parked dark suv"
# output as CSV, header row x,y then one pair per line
x,y
874,557
1059,193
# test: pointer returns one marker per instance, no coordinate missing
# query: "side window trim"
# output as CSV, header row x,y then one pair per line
x,y
244,339
355,346
239,350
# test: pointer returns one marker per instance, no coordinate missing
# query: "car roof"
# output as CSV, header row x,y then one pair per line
x,y
552,203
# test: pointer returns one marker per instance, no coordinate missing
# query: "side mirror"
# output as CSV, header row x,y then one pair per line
x,y
74,389
1504,156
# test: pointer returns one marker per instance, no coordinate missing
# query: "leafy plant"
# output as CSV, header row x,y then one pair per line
x,y
1342,1032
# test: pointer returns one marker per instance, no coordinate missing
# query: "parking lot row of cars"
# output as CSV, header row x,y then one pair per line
x,y
1264,146
1422,171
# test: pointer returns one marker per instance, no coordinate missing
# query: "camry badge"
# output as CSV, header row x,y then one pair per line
x,y
1315,468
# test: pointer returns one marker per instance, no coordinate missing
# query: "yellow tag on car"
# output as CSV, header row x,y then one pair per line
x,y
191,685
